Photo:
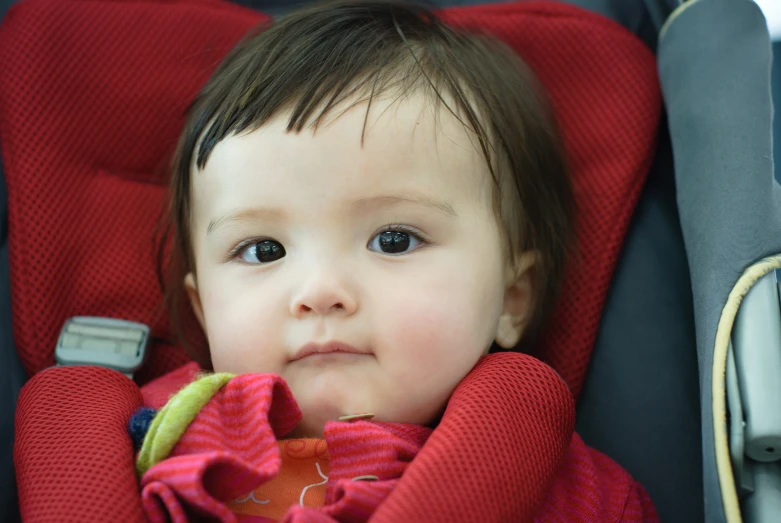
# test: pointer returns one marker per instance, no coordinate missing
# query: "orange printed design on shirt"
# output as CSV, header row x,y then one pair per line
x,y
301,480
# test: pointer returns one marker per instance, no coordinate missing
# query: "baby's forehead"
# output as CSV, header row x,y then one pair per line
x,y
393,143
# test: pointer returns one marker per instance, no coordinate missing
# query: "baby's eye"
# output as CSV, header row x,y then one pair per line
x,y
394,241
263,251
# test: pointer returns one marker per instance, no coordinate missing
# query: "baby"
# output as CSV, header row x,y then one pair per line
x,y
365,204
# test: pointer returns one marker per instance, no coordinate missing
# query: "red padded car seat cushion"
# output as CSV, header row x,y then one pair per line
x,y
93,95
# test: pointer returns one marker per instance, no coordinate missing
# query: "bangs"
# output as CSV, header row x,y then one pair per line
x,y
362,54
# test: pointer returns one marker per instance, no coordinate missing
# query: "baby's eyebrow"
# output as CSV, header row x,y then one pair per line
x,y
277,215
390,200
244,215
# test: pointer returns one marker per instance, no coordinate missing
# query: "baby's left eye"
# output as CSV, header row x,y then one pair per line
x,y
394,242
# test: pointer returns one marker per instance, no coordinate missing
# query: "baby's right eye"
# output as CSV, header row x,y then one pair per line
x,y
263,251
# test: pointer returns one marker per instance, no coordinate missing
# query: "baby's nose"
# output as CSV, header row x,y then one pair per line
x,y
323,293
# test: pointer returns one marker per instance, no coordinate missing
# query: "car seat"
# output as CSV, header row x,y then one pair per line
x,y
597,405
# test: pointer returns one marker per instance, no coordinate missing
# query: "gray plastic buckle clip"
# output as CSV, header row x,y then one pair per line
x,y
106,342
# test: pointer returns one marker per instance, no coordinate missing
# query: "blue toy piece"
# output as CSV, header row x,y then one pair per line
x,y
139,424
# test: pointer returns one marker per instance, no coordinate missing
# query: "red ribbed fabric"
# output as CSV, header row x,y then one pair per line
x,y
590,487
231,448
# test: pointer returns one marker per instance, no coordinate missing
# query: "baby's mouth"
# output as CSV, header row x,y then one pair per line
x,y
331,348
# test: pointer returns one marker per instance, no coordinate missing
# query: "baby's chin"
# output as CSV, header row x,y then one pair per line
x,y
332,396
328,397
317,415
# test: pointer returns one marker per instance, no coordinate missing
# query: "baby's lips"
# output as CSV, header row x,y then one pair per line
x,y
330,347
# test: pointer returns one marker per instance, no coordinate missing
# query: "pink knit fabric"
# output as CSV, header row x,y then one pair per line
x,y
231,448
504,452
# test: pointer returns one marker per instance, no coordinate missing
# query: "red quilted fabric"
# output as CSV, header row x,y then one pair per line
x,y
92,99
87,128
603,85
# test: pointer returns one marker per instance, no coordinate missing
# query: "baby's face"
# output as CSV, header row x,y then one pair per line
x,y
371,278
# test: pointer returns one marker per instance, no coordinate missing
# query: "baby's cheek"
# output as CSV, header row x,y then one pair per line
x,y
433,338
239,340
427,361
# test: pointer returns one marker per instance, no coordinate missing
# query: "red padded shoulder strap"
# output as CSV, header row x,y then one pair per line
x,y
73,455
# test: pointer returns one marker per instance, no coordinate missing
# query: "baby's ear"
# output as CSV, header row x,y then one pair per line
x,y
518,301
191,287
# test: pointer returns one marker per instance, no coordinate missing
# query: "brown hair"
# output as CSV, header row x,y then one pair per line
x,y
312,60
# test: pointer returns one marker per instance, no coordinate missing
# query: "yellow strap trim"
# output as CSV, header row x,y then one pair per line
x,y
675,14
173,419
729,495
